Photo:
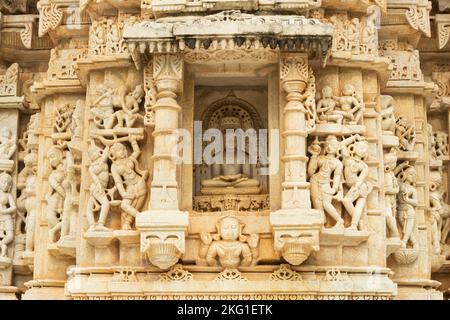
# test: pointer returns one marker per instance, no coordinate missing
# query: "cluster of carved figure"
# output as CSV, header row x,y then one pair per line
x,y
116,118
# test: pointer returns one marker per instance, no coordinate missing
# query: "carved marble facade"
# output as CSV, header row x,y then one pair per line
x,y
232,149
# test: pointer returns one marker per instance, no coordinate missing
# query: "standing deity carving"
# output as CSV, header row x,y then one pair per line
x,y
392,188
356,177
326,174
407,202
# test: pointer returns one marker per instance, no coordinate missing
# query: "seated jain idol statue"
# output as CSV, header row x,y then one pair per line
x,y
231,177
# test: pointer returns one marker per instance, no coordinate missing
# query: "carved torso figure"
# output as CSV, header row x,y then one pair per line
x,y
7,144
229,248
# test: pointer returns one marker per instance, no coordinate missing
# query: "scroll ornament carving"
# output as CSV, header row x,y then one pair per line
x,y
285,273
418,17
150,95
26,35
50,17
231,275
443,30
298,80
177,273
229,247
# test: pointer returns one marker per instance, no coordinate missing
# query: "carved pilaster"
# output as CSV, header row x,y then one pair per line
x,y
296,218
163,228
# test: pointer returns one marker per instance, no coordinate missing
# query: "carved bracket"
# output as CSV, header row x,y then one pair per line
x,y
163,236
443,29
417,13
296,233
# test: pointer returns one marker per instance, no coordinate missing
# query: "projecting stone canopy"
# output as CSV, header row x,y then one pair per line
x,y
228,30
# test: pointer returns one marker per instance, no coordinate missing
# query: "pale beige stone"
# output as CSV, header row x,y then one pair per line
x,y
93,96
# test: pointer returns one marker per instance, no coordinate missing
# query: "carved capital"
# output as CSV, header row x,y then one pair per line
x,y
168,72
294,72
418,17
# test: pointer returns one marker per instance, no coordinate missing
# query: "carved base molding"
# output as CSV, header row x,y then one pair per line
x,y
259,283
418,289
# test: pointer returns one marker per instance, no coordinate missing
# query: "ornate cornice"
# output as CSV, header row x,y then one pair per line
x,y
228,30
164,7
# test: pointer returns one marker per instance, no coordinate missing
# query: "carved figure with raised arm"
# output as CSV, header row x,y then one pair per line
x,y
129,178
326,172
99,171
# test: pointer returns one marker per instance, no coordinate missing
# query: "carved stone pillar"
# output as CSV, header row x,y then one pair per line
x,y
10,104
296,218
163,227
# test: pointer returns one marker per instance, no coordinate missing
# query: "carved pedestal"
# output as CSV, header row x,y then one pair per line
x,y
105,250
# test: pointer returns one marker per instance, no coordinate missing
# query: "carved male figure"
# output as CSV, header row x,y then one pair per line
x,y
326,176
356,175
407,201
